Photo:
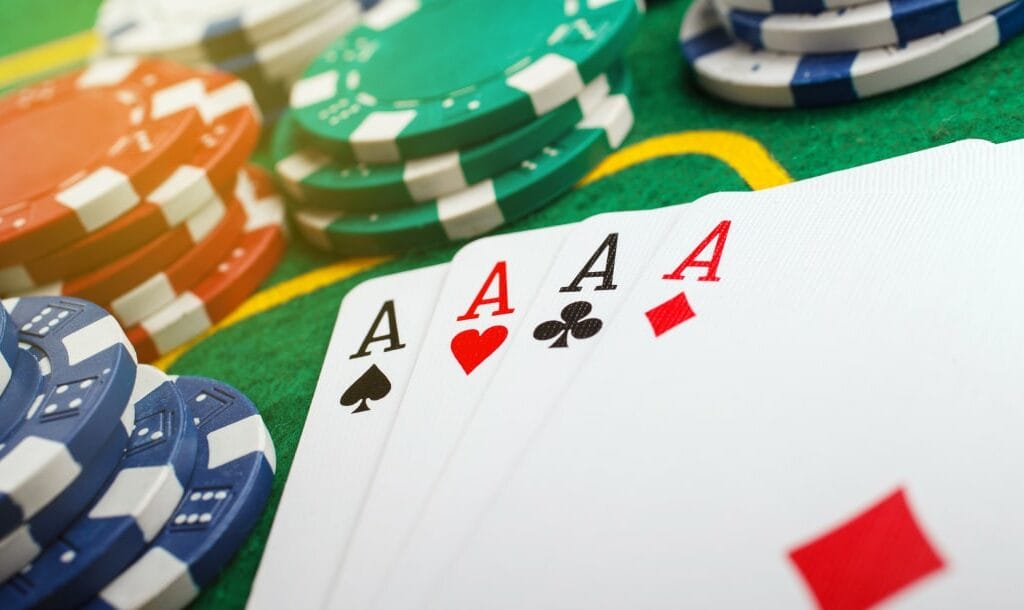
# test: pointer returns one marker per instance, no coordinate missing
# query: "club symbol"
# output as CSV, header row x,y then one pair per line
x,y
574,322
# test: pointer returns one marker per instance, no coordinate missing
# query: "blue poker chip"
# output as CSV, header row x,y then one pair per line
x,y
270,68
197,30
737,72
791,6
44,527
129,512
8,348
22,388
267,43
875,24
227,493
76,371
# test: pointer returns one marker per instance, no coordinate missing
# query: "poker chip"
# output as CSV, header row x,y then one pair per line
x,y
111,281
267,44
234,470
76,371
737,72
271,67
8,350
865,26
161,288
22,388
377,95
194,29
249,261
140,496
67,178
315,180
792,6
483,206
228,138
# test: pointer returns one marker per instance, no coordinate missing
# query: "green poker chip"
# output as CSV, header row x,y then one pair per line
x,y
483,206
422,77
314,179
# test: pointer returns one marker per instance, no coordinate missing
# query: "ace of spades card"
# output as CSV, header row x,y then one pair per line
x,y
830,420
376,337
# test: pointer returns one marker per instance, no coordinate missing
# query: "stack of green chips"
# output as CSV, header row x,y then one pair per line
x,y
437,121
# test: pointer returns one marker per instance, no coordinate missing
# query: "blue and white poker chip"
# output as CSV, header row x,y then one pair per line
x,y
875,24
74,416
8,348
737,72
200,30
267,43
270,68
22,389
791,6
229,487
137,501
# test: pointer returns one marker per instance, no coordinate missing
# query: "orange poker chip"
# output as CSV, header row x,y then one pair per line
x,y
110,281
230,133
80,150
160,289
236,276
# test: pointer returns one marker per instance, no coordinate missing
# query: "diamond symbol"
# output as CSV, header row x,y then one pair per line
x,y
871,557
669,314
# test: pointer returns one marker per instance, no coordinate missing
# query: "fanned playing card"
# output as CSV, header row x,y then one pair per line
x,y
378,332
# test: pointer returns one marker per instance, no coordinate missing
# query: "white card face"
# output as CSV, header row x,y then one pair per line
x,y
378,333
511,411
812,401
488,288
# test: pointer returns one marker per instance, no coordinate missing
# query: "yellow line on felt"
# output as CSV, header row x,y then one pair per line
x,y
276,295
48,57
742,153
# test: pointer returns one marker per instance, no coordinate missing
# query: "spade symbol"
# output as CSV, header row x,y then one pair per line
x,y
371,385
574,323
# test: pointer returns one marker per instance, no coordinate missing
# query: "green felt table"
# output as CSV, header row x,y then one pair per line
x,y
685,144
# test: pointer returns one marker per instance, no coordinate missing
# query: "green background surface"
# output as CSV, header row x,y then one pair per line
x,y
275,357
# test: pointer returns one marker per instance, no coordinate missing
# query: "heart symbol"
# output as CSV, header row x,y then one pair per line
x,y
471,347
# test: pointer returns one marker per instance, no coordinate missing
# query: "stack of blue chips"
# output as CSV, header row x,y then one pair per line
x,y
120,487
802,53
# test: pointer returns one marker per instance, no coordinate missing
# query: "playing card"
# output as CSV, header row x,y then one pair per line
x,y
510,410
486,292
810,402
376,337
